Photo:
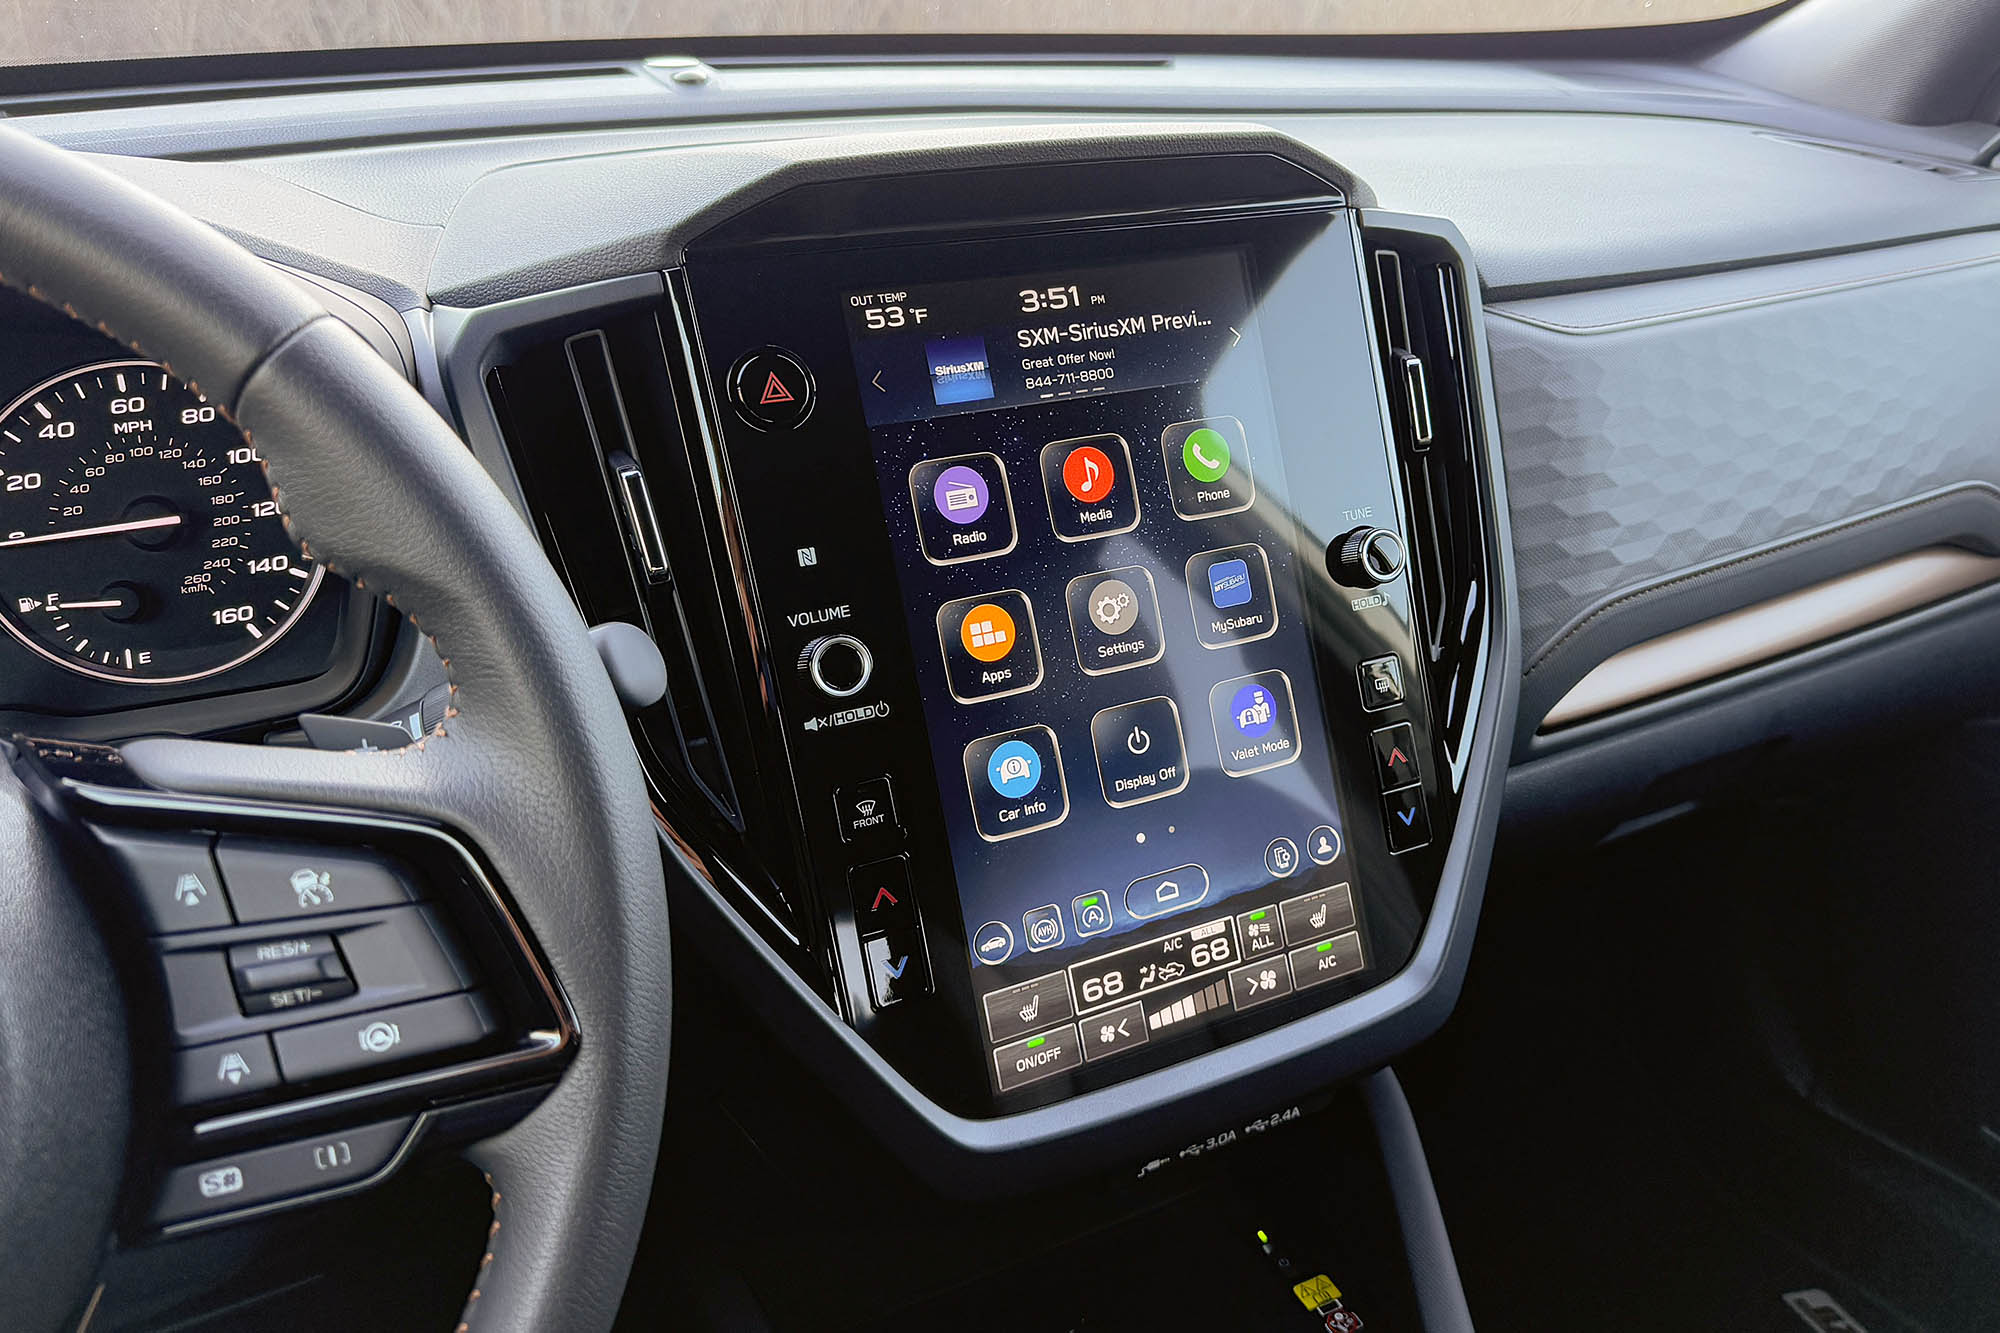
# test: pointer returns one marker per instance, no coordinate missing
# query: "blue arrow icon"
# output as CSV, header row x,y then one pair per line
x,y
896,969
1407,816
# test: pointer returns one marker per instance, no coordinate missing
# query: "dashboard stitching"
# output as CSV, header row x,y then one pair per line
x,y
277,495
485,1260
1805,539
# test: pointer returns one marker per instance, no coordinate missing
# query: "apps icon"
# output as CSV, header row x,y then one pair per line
x,y
1089,486
1229,591
1208,467
963,508
1114,617
1256,726
989,645
1015,782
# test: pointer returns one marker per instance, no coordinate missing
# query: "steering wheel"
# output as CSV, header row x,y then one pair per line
x,y
533,765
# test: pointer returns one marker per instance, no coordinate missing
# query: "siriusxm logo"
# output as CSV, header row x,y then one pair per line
x,y
959,373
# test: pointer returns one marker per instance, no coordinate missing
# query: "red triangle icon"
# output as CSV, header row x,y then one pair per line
x,y
774,391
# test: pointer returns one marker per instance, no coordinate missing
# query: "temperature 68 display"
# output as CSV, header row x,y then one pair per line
x,y
139,539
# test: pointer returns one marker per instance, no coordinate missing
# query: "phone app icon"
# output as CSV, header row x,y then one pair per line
x,y
1208,467
1205,454
987,632
1014,769
1087,474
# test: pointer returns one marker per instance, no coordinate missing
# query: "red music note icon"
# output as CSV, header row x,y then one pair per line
x,y
1087,473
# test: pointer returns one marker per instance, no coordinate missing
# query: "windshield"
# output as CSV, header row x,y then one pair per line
x,y
46,31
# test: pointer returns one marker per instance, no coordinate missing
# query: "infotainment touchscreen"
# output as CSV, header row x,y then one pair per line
x,y
1093,530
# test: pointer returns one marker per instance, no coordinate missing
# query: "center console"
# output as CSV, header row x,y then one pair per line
x,y
1082,581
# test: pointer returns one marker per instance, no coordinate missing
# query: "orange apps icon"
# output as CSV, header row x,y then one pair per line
x,y
987,632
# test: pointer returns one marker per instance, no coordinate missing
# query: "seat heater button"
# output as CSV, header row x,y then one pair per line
x,y
225,1070
176,880
275,881
265,1175
384,1037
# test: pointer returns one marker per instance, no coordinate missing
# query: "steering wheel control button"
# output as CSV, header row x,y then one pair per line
x,y
1255,725
1329,960
1169,891
1323,845
1114,617
1090,487
292,1170
990,647
201,998
383,1037
272,976
1015,782
224,1071
1141,751
1365,557
1381,680
1259,931
772,389
1229,590
1281,857
838,664
1260,982
1208,467
176,879
1114,1030
897,970
275,881
1032,1059
1395,756
1026,1007
993,943
965,510
866,813
1315,915
883,898
1408,820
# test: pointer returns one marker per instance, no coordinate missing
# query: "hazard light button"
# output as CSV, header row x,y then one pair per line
x,y
772,389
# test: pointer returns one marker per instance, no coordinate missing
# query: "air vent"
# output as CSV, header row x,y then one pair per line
x,y
586,439
1423,323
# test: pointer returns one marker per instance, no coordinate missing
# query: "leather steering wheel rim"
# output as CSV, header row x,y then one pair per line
x,y
534,763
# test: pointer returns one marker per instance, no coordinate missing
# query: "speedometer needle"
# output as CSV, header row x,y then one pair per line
x,y
103,530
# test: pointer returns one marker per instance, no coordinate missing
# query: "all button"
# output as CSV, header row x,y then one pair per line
x,y
772,389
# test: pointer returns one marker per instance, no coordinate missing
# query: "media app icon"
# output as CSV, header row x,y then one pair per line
x,y
1253,710
1087,474
1014,769
987,632
961,495
1229,583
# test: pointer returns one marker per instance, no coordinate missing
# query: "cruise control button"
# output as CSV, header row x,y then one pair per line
x,y
1260,982
275,881
386,1036
1035,1058
283,974
772,389
1168,891
178,886
1329,960
266,1175
1026,1006
1114,1030
1319,913
225,1070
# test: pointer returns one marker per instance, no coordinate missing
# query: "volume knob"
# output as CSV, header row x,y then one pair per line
x,y
1365,557
839,664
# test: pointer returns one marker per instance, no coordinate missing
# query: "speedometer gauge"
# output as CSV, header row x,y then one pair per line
x,y
139,540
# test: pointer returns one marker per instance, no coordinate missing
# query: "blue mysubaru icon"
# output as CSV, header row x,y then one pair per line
x,y
1229,583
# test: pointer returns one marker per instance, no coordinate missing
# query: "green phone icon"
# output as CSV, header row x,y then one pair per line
x,y
1205,454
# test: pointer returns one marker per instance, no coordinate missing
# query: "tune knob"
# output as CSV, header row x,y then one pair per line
x,y
1365,557
839,664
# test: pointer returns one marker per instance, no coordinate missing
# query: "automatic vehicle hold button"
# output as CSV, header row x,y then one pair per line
x,y
276,881
387,1036
1168,891
265,1175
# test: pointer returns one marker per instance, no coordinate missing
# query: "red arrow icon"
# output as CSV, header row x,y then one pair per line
x,y
774,391
880,894
1396,756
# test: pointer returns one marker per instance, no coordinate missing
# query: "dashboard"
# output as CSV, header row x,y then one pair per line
x,y
1098,609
